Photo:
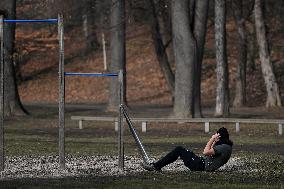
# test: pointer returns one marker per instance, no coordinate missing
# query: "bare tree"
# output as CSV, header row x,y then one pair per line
x,y
273,94
166,25
12,105
89,25
240,95
251,37
117,45
159,47
185,56
192,4
200,27
222,92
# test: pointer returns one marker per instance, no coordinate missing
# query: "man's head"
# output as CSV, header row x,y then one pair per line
x,y
224,134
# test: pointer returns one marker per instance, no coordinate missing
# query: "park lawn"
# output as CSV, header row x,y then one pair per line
x,y
35,137
20,144
154,180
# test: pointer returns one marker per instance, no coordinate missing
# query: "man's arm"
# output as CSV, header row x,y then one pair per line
x,y
208,150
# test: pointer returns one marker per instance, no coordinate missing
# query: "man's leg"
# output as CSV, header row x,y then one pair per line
x,y
173,156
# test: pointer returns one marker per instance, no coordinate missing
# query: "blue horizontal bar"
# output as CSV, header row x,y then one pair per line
x,y
91,74
43,20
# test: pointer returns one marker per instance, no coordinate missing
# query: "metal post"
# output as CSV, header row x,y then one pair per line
x,y
2,94
116,126
280,129
80,124
61,94
120,124
207,127
144,126
237,127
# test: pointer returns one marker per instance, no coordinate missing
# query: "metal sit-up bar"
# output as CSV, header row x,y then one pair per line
x,y
135,135
59,21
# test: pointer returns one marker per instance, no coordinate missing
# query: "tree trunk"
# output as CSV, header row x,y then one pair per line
x,y
222,92
200,27
273,94
117,46
252,51
160,48
165,22
166,30
89,26
240,95
12,103
185,56
192,4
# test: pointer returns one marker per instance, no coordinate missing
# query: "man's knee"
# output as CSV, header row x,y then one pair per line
x,y
179,148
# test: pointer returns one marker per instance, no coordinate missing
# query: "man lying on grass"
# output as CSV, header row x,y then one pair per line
x,y
217,152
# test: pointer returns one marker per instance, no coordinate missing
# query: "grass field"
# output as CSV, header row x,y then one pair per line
x,y
258,148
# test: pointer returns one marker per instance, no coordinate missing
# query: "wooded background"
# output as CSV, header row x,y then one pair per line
x,y
239,40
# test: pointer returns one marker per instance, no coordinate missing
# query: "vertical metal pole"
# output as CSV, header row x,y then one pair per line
x,y
61,94
2,94
120,124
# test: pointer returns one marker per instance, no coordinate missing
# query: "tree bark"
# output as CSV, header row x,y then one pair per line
x,y
117,46
273,95
160,48
192,4
89,25
222,92
166,30
252,50
200,28
185,56
240,94
165,22
12,103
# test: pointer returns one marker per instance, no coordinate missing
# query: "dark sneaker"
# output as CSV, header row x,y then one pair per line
x,y
149,166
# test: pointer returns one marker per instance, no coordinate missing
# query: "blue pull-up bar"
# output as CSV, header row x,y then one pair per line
x,y
91,74
37,20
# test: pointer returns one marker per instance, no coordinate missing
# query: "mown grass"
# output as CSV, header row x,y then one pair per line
x,y
32,144
195,180
35,137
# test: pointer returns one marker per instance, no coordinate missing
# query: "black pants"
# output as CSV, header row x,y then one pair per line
x,y
190,160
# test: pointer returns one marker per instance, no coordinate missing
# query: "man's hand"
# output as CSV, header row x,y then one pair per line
x,y
216,137
208,150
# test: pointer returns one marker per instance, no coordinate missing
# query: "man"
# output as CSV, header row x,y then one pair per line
x,y
217,152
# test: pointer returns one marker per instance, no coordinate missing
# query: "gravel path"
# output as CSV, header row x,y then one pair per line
x,y
47,166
